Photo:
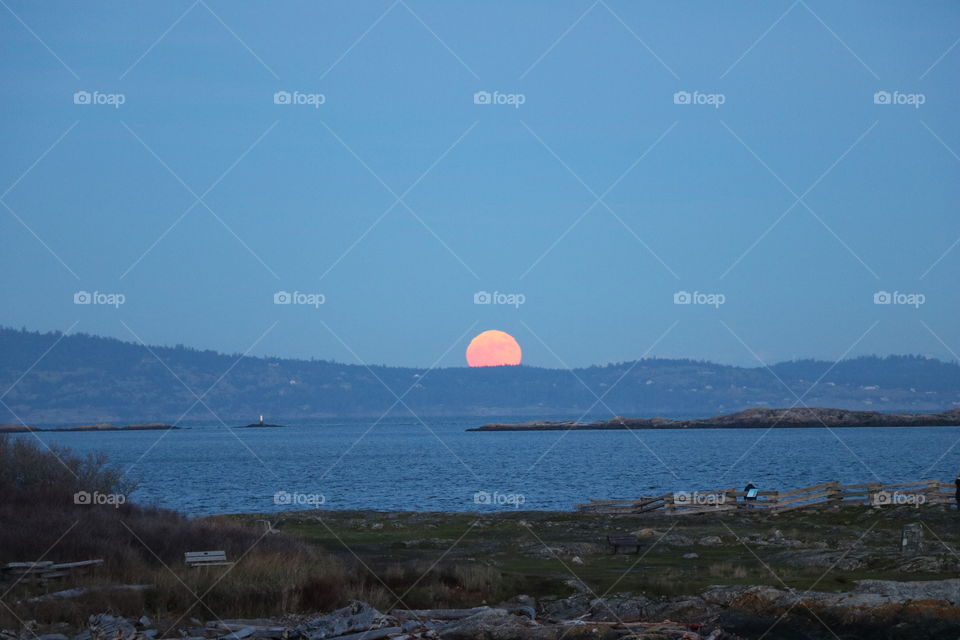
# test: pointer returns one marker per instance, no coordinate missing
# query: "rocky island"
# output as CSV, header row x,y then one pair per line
x,y
150,426
758,418
260,424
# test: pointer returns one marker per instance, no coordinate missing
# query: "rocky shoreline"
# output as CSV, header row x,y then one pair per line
x,y
758,418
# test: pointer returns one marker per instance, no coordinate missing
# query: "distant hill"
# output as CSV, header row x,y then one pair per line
x,y
89,379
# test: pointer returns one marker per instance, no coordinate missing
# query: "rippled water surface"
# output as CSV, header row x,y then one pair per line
x,y
437,466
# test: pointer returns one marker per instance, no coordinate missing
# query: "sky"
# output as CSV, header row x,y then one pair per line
x,y
378,182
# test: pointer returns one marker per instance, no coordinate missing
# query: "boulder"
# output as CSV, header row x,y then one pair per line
x,y
946,590
692,609
575,606
578,585
677,540
619,608
928,564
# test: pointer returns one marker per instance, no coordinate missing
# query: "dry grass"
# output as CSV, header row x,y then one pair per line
x,y
274,573
727,570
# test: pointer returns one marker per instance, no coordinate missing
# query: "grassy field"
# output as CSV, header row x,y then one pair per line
x,y
539,552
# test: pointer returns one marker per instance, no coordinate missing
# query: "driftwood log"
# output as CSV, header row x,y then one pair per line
x,y
436,614
82,591
354,618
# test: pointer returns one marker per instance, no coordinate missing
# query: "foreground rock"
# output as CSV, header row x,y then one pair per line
x,y
873,609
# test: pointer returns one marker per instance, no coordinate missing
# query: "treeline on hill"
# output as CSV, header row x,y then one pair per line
x,y
274,573
89,378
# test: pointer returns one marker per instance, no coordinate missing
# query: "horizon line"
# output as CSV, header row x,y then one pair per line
x,y
240,356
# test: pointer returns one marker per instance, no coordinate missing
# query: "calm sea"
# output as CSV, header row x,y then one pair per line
x,y
437,466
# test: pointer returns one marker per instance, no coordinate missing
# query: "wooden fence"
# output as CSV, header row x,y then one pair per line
x,y
924,492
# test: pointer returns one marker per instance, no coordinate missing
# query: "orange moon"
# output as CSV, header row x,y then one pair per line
x,y
493,349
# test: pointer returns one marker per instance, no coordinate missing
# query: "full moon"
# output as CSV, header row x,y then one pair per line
x,y
493,349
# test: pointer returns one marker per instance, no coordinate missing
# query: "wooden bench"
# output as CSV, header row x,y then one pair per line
x,y
206,558
624,540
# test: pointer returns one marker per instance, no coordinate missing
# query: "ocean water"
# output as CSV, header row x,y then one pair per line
x,y
438,466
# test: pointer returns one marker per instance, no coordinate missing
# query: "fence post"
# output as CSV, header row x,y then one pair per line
x,y
728,497
836,493
873,490
932,493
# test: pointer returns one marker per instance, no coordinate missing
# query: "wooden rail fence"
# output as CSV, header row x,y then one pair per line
x,y
924,492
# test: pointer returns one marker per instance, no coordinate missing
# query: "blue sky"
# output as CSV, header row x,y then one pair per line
x,y
399,198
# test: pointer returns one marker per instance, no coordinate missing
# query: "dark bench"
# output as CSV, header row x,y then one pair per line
x,y
624,540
